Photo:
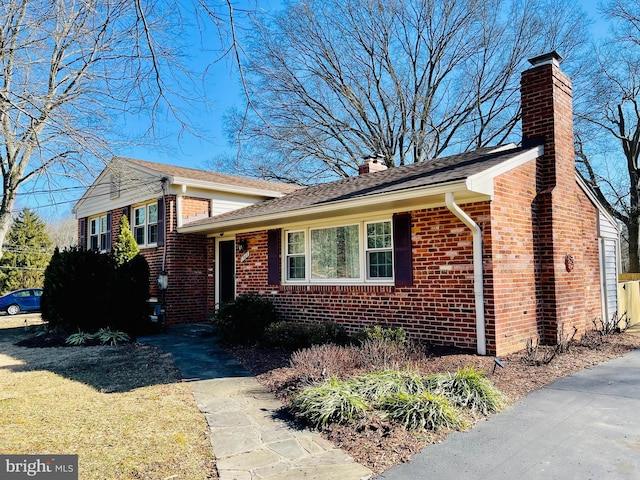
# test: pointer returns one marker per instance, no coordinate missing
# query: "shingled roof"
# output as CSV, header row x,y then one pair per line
x,y
212,177
424,175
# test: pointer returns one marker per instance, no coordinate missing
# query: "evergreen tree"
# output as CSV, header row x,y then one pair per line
x,y
27,252
125,247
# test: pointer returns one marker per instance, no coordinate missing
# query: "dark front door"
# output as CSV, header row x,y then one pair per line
x,y
226,271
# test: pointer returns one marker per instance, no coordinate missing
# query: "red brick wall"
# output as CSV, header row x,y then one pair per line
x,y
194,207
187,267
566,221
188,264
438,308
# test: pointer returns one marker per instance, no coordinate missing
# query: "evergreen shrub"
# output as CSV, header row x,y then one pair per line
x,y
295,335
86,291
244,319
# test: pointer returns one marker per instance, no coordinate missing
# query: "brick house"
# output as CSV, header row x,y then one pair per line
x,y
158,200
483,250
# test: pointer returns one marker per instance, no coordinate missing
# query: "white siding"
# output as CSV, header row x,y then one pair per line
x,y
609,261
135,187
226,203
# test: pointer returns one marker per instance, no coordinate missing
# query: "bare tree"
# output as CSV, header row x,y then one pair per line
x,y
63,232
332,80
71,70
612,116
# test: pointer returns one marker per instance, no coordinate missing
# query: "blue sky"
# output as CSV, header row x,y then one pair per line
x,y
223,92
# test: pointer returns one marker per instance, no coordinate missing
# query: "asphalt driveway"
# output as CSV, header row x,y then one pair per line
x,y
586,426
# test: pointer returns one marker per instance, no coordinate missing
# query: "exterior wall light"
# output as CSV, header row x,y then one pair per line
x,y
242,245
163,281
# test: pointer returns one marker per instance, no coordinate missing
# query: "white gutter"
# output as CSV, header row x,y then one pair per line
x,y
478,277
324,208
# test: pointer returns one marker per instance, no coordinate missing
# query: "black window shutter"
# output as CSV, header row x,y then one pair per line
x,y
402,251
161,216
273,247
82,239
109,230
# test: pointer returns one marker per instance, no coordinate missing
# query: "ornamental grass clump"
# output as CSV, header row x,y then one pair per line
x,y
111,337
469,388
375,386
333,401
421,411
80,338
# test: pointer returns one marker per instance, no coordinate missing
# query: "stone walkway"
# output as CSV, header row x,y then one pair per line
x,y
251,440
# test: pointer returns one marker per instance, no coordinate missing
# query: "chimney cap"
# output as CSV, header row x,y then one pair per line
x,y
552,57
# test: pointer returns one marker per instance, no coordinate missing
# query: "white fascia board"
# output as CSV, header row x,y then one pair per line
x,y
329,209
483,182
223,187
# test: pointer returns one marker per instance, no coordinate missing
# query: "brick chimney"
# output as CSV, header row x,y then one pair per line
x,y
371,163
547,117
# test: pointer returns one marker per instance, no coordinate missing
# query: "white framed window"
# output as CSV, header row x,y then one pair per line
x,y
352,253
98,233
145,224
379,250
296,252
335,253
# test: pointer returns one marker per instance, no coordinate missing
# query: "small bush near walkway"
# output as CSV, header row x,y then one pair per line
x,y
245,319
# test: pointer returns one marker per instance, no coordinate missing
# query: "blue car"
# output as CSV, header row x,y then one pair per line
x,y
23,300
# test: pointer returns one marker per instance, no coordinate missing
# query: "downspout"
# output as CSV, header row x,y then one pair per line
x,y
164,182
478,277
183,190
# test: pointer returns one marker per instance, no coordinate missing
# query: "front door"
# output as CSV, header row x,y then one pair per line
x,y
226,271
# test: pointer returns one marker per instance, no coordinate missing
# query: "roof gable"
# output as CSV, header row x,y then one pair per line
x,y
144,178
182,174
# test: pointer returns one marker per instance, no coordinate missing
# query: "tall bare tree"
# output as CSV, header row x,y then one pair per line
x,y
612,117
333,80
71,70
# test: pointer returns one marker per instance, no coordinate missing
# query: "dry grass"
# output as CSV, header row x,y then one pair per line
x,y
122,410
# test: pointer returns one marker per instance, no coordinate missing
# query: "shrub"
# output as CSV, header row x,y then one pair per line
x,y
469,388
106,336
333,401
421,411
616,324
382,333
322,361
295,335
85,290
244,319
375,386
129,292
80,338
75,295
381,354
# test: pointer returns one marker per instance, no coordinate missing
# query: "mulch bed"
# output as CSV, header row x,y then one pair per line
x,y
380,444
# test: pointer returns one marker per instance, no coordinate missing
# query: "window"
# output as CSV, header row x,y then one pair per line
x,y
296,256
379,250
145,224
335,253
99,232
338,253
